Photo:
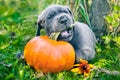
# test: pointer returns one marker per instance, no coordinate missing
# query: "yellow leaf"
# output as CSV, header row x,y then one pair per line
x,y
76,65
75,70
91,66
83,61
86,74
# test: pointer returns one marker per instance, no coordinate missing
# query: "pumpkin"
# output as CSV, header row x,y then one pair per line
x,y
47,55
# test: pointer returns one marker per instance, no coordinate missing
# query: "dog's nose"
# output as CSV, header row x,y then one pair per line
x,y
63,20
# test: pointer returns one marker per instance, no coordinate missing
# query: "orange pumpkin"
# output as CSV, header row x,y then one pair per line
x,y
49,55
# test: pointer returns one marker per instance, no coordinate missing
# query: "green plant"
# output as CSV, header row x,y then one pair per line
x,y
113,19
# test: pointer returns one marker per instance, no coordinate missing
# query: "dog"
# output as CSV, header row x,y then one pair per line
x,y
59,18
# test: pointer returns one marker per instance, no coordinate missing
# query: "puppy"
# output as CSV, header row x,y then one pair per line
x,y
59,18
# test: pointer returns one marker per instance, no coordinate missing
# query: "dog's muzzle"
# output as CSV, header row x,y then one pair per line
x,y
67,34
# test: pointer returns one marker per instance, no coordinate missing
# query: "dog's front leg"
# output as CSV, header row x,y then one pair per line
x,y
87,54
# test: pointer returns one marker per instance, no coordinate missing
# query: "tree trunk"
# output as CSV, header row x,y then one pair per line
x,y
99,8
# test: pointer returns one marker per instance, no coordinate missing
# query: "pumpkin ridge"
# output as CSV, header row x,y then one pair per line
x,y
46,67
26,54
59,57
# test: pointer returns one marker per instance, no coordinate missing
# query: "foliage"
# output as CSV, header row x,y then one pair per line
x,y
18,25
113,19
84,13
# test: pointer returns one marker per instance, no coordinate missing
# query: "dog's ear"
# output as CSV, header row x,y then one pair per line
x,y
40,23
69,10
41,20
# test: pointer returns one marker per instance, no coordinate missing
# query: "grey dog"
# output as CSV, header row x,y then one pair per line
x,y
59,18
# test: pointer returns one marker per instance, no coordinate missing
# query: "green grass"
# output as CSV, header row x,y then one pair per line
x,y
18,26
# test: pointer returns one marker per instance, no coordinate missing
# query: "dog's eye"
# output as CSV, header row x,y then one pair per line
x,y
50,16
65,12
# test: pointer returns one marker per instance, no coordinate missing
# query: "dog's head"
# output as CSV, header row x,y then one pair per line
x,y
57,18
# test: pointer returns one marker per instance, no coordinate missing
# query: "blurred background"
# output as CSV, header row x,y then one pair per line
x,y
18,25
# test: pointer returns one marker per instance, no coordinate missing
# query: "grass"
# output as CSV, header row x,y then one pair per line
x,y
19,25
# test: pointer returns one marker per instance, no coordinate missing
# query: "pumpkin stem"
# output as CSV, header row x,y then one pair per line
x,y
54,35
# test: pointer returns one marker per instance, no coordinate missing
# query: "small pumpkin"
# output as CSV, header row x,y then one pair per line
x,y
49,55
